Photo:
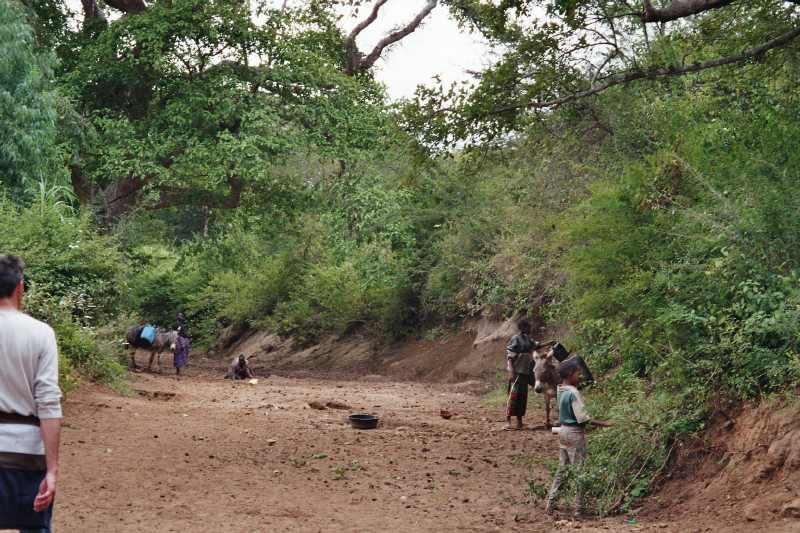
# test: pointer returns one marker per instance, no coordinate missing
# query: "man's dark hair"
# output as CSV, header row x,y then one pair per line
x,y
524,326
11,269
566,368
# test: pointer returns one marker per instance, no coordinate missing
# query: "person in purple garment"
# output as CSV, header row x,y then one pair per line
x,y
182,346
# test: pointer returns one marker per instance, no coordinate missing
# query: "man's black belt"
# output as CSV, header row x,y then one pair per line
x,y
14,418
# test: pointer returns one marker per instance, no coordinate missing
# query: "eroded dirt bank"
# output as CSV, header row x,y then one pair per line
x,y
475,351
208,455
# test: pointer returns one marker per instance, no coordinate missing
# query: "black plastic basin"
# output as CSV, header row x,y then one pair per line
x,y
363,421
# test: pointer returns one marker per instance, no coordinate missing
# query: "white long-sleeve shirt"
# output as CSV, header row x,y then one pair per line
x,y
28,379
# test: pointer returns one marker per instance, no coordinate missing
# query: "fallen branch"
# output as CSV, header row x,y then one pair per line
x,y
614,508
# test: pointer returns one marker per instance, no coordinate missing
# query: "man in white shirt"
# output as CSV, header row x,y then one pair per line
x,y
30,409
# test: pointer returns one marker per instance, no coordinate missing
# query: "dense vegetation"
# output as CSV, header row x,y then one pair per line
x,y
149,167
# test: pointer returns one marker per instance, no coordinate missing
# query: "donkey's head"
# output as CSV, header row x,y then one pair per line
x,y
545,371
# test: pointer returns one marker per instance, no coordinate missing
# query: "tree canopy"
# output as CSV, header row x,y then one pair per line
x,y
186,103
554,52
194,104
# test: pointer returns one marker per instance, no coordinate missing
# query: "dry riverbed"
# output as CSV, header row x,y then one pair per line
x,y
208,455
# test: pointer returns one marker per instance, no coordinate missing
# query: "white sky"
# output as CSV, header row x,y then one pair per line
x,y
438,47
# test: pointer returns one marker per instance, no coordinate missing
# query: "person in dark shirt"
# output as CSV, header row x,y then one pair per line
x,y
520,367
180,325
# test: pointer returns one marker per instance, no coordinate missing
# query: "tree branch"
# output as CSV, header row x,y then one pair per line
x,y
178,197
356,61
602,65
395,36
361,26
91,11
678,9
128,6
352,54
652,73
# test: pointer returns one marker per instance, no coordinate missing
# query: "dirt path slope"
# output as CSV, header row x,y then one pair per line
x,y
207,455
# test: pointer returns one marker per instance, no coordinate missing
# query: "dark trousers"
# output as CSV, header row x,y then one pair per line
x,y
18,489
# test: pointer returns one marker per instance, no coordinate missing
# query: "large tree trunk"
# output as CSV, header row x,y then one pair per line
x,y
81,186
121,197
125,194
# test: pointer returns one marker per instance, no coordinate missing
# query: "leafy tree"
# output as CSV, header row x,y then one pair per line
x,y
28,106
181,119
199,104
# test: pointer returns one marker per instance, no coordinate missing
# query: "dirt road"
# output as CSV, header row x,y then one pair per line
x,y
208,455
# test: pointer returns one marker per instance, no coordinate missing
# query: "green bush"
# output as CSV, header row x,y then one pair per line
x,y
369,287
248,296
625,461
66,258
154,290
314,282
75,279
681,274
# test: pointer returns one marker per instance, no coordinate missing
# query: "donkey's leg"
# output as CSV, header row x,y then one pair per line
x,y
150,363
157,356
132,354
557,409
547,409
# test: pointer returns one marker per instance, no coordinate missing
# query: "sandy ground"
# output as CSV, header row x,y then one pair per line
x,y
208,455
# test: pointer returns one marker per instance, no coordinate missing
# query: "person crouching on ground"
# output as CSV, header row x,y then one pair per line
x,y
572,435
30,409
239,369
